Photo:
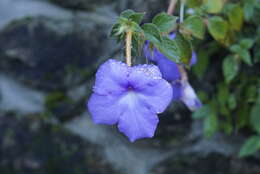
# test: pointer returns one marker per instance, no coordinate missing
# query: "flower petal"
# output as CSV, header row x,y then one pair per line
x,y
193,59
137,121
152,55
172,35
110,77
104,109
189,97
151,88
177,90
169,69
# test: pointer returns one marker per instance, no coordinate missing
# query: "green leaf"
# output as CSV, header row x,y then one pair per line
x,y
169,48
137,17
249,7
152,33
223,93
255,115
232,102
230,68
246,57
203,112
127,13
184,48
202,63
243,53
251,93
246,43
251,146
194,3
218,28
210,125
164,22
115,31
135,27
213,6
195,25
236,16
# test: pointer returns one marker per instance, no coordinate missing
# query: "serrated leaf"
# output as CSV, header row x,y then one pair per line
x,y
195,25
164,22
169,48
203,112
135,27
137,17
127,13
255,115
177,50
119,27
251,146
152,33
230,68
213,6
210,125
218,28
184,48
115,30
236,16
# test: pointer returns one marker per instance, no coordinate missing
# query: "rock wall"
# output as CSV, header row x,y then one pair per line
x,y
49,52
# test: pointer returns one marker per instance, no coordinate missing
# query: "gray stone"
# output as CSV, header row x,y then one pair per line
x,y
82,4
53,54
212,164
32,146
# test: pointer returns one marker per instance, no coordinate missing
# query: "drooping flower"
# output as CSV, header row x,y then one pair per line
x,y
130,97
182,90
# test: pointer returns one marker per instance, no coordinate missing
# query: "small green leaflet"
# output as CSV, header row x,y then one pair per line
x,y
235,16
251,146
213,6
152,33
164,22
218,28
230,68
195,26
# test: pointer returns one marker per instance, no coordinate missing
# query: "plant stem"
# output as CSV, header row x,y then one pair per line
x,y
129,35
170,11
182,11
171,7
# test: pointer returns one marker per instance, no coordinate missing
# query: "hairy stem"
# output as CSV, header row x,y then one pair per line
x,y
129,35
172,6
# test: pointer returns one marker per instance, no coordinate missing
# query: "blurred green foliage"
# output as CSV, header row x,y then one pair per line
x,y
232,92
225,35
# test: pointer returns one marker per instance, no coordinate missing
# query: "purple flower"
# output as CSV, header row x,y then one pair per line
x,y
182,90
130,97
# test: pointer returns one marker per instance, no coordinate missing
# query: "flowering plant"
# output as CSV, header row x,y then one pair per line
x,y
167,43
132,96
